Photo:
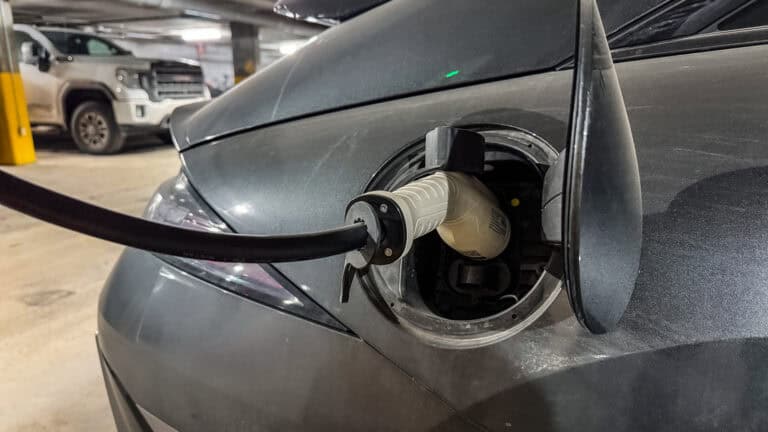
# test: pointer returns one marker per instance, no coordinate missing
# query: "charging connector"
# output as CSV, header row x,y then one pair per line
x,y
462,209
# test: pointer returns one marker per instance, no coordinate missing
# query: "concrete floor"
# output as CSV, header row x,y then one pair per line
x,y
50,279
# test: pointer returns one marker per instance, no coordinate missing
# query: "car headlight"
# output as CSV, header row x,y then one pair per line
x,y
129,78
177,203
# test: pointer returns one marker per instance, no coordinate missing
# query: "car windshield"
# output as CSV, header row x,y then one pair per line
x,y
83,44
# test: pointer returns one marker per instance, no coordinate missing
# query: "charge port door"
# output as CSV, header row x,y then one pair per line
x,y
600,201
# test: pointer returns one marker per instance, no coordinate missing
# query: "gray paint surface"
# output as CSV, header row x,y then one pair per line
x,y
201,359
699,126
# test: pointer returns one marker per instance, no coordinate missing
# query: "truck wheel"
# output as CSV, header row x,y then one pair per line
x,y
95,130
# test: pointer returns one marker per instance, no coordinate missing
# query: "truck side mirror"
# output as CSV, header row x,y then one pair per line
x,y
44,62
30,53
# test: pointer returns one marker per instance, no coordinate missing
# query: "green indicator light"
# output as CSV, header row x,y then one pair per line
x,y
452,73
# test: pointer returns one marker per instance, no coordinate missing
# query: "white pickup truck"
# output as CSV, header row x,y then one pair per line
x,y
98,92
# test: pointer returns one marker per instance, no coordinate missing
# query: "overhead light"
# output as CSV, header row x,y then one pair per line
x,y
290,47
199,34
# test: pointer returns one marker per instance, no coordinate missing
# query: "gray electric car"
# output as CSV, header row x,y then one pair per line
x,y
571,328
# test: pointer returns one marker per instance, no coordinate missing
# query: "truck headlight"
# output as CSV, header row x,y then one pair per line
x,y
129,78
177,203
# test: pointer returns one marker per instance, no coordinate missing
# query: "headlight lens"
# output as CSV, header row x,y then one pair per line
x,y
129,78
176,203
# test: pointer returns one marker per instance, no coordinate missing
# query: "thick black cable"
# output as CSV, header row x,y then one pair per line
x,y
70,213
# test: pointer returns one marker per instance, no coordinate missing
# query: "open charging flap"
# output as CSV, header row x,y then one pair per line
x,y
601,200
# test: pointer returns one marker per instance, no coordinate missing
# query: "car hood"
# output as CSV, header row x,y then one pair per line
x,y
398,49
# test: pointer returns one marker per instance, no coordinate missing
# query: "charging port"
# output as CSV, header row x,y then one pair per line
x,y
459,288
452,301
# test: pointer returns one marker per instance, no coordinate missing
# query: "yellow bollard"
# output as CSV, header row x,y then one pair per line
x,y
16,146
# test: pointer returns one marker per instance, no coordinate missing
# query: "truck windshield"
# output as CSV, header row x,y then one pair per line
x,y
83,44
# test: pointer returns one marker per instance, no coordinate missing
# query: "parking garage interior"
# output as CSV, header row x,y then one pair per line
x,y
47,328
383,215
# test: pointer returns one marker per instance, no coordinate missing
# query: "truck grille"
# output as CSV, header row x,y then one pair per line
x,y
173,80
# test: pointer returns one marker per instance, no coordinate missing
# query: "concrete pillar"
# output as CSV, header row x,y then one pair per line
x,y
16,145
245,49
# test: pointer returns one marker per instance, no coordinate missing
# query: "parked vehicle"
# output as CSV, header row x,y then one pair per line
x,y
97,91
196,345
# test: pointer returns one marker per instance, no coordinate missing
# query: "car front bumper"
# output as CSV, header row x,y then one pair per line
x,y
201,358
129,417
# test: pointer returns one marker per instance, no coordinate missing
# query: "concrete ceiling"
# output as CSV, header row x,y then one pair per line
x,y
94,12
168,29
